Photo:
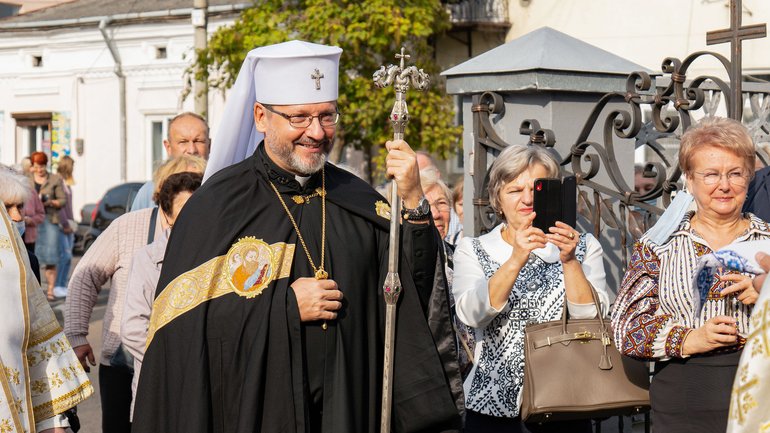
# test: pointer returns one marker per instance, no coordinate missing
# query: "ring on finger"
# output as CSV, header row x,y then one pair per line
x,y
572,235
529,238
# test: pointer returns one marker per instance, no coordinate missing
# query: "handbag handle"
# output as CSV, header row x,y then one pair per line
x,y
598,311
604,361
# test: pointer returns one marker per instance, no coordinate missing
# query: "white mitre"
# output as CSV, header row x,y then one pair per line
x,y
289,73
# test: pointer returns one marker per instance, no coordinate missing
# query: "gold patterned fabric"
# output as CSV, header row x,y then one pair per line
x,y
249,266
750,399
39,373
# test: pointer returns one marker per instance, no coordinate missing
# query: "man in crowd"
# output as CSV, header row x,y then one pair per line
x,y
300,350
188,134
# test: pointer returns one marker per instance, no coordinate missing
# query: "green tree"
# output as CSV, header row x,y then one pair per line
x,y
370,32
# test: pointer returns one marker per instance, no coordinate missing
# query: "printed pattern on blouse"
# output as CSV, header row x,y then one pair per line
x,y
537,296
656,294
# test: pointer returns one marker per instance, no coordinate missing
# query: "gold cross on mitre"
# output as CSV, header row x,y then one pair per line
x,y
317,75
735,35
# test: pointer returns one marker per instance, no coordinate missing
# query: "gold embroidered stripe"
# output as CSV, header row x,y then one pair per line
x,y
66,401
209,281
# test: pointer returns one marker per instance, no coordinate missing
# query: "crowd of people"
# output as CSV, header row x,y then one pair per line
x,y
248,288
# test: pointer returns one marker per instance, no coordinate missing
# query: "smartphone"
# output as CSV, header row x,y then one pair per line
x,y
555,200
547,203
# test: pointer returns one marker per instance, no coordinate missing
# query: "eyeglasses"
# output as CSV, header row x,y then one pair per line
x,y
736,178
303,121
441,205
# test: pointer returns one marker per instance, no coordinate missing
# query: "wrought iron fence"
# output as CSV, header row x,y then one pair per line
x,y
649,115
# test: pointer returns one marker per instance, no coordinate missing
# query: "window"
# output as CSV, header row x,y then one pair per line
x,y
37,61
33,133
157,131
161,53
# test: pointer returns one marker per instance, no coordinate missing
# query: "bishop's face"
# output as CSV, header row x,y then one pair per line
x,y
301,151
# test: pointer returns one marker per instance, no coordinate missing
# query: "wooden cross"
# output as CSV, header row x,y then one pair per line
x,y
735,35
317,75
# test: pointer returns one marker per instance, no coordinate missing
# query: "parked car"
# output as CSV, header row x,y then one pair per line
x,y
84,225
115,202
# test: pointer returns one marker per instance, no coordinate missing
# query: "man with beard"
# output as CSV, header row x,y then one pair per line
x,y
302,349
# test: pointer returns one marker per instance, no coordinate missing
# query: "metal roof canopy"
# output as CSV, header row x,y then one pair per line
x,y
544,59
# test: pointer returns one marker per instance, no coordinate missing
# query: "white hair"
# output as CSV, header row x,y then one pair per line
x,y
15,188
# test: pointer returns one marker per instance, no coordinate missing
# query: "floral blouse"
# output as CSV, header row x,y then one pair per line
x,y
653,312
494,384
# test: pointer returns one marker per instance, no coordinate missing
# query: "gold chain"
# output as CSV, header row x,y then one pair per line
x,y
320,273
305,199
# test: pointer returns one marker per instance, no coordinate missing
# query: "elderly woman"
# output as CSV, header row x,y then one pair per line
x,y
40,374
653,318
146,265
517,275
110,259
439,196
50,188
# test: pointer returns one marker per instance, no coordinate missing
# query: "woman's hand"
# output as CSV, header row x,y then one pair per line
x,y
742,284
566,239
717,332
524,240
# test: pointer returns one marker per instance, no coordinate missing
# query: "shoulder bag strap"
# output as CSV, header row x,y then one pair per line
x,y
153,218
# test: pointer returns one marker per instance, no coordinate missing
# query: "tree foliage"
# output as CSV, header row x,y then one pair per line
x,y
370,32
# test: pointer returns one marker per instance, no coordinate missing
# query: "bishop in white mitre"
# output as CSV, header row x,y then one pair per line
x,y
40,375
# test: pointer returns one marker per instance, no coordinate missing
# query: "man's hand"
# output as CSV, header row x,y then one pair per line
x,y
401,165
317,299
54,430
764,262
84,352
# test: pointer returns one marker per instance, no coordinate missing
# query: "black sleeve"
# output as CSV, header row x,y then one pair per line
x,y
420,246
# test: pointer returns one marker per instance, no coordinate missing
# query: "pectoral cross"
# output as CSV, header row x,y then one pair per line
x,y
735,35
317,75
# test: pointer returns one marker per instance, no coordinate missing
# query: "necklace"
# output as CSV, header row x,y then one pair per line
x,y
305,199
320,273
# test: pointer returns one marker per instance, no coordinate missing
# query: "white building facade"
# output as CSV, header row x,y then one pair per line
x,y
60,93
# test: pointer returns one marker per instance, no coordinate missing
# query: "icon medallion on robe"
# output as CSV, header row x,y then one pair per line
x,y
250,265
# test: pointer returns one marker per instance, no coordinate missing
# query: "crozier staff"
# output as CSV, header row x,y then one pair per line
x,y
300,348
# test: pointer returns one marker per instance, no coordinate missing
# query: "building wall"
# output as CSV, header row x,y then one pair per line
x,y
77,78
647,32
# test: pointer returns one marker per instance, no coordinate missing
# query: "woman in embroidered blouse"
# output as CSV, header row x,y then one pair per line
x,y
513,276
697,352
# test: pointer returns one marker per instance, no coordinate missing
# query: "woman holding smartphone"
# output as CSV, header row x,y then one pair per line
x,y
517,275
50,188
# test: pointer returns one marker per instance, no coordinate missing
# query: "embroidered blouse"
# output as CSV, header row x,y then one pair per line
x,y
653,312
494,385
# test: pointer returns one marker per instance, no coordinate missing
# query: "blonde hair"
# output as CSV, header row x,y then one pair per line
x,y
191,163
65,167
721,132
511,163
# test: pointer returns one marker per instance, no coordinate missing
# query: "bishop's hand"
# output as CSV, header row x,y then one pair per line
x,y
317,299
401,165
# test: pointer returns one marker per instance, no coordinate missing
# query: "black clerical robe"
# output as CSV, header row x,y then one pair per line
x,y
229,356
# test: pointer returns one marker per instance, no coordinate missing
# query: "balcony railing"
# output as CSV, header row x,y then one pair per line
x,y
492,13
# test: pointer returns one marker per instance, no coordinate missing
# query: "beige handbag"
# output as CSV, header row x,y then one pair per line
x,y
573,371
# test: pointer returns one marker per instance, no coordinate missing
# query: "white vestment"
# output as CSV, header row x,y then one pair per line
x,y
40,375
750,399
